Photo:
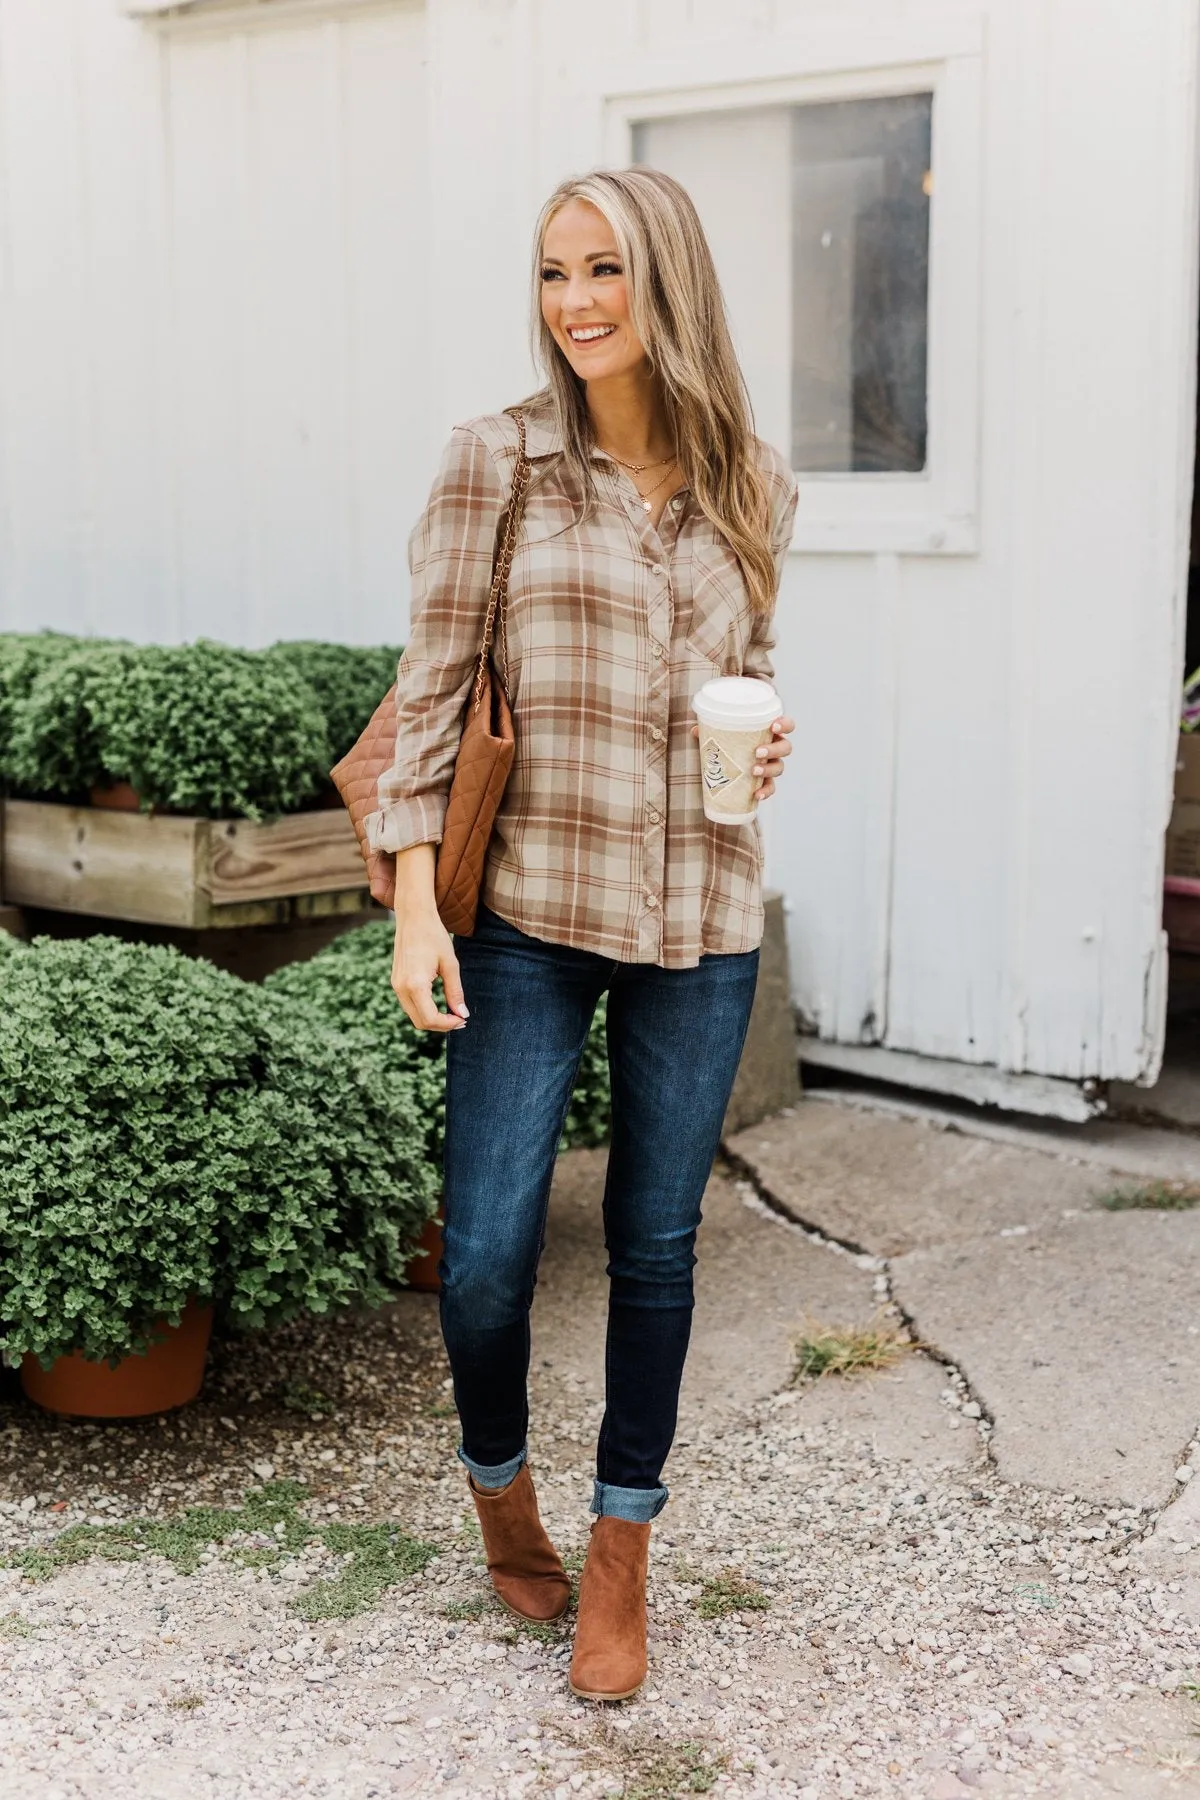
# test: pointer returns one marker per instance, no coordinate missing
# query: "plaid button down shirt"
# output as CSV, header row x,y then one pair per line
x,y
613,624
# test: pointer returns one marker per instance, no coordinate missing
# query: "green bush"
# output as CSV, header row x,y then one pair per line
x,y
168,1130
23,656
196,728
349,985
349,681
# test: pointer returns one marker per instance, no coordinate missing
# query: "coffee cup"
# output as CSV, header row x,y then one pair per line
x,y
735,714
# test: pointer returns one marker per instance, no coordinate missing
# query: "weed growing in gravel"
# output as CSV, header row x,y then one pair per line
x,y
573,1561
1155,1196
465,1609
847,1349
186,1702
1189,1688
376,1556
729,1592
299,1397
652,1770
12,1625
546,1631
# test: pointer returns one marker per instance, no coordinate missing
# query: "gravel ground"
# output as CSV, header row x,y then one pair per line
x,y
841,1605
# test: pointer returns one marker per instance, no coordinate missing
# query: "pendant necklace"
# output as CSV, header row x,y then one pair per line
x,y
646,500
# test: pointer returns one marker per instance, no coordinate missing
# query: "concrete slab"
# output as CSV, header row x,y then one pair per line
x,y
889,1184
1082,1341
1077,1328
897,1412
1126,1146
742,1348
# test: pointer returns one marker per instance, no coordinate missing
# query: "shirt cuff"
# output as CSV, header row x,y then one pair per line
x,y
402,823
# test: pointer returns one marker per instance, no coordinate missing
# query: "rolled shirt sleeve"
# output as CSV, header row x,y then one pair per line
x,y
450,555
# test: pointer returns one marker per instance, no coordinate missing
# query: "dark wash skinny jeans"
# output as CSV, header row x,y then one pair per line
x,y
675,1037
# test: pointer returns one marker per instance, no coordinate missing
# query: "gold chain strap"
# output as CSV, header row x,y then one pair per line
x,y
498,598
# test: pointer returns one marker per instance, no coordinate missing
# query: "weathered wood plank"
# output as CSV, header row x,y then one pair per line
x,y
306,853
117,865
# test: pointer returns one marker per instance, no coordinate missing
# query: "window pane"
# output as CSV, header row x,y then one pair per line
x,y
860,284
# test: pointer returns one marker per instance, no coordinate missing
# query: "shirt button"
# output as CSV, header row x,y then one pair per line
x,y
653,816
651,900
656,649
656,733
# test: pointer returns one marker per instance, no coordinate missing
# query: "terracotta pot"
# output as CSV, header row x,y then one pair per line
x,y
422,1271
117,796
167,1375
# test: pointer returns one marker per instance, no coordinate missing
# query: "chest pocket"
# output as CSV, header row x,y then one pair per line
x,y
720,624
548,512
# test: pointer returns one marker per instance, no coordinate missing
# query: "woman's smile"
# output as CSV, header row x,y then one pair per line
x,y
589,334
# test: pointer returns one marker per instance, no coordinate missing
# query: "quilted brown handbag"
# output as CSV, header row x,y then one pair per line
x,y
484,759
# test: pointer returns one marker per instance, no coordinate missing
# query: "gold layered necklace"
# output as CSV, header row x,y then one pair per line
x,y
637,468
646,493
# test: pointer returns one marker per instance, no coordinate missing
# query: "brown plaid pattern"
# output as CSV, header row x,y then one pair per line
x,y
601,840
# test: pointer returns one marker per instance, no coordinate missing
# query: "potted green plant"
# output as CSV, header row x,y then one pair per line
x,y
23,656
173,1140
200,729
349,681
349,985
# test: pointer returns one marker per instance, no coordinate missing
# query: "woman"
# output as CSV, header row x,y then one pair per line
x,y
648,561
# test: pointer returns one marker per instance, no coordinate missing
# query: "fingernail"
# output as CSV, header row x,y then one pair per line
x,y
462,1012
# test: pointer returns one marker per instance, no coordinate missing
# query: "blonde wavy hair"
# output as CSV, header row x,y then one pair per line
x,y
678,312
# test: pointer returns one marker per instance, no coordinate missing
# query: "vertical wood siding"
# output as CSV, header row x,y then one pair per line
x,y
249,277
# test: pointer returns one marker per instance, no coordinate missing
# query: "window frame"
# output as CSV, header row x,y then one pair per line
x,y
217,15
934,511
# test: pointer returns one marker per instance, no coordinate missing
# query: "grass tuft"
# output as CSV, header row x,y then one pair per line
x,y
1153,1196
847,1349
376,1557
186,1702
729,1592
653,1770
12,1625
466,1609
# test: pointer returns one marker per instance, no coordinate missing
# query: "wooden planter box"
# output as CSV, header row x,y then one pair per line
x,y
157,869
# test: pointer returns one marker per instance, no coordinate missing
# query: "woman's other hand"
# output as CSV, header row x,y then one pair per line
x,y
424,948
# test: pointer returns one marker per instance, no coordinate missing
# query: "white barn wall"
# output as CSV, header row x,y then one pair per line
x,y
249,277
214,319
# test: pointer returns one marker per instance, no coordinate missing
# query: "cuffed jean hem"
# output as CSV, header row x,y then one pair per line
x,y
493,1475
638,1505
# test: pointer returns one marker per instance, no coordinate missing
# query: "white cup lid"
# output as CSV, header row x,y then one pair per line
x,y
738,701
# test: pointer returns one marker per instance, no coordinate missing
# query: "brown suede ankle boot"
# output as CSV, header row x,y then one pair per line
x,y
525,1568
610,1634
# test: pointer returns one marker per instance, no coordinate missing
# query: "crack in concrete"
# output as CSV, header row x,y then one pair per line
x,y
756,1193
748,1178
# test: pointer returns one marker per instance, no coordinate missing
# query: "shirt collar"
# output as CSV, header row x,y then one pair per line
x,y
543,437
